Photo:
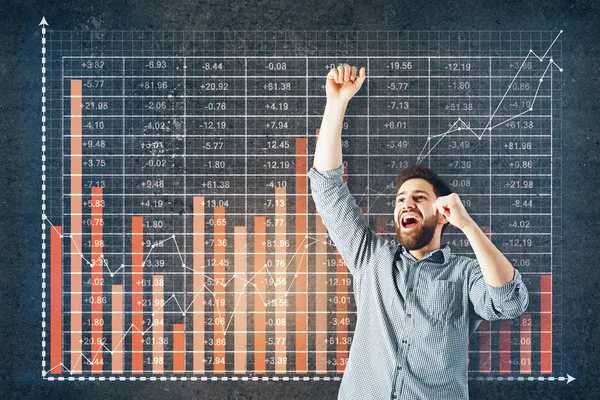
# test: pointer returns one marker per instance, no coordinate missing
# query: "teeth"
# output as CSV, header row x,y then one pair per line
x,y
409,219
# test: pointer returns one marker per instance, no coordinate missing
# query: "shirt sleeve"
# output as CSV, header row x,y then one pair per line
x,y
496,302
356,242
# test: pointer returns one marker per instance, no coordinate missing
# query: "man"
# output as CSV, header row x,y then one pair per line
x,y
417,303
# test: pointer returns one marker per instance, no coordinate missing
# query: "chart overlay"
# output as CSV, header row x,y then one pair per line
x,y
180,239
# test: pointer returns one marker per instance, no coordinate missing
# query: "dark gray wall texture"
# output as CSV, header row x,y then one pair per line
x,y
20,192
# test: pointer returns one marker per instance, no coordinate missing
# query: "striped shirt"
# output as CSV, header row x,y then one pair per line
x,y
414,317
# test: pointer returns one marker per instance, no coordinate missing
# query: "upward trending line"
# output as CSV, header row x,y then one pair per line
x,y
459,124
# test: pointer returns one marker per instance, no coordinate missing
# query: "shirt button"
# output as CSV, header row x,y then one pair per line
x,y
410,289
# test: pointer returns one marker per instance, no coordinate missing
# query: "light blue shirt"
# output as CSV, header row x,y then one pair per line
x,y
414,317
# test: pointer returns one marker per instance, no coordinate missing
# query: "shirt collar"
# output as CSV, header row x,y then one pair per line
x,y
439,256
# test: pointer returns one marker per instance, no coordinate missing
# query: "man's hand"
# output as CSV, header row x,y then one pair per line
x,y
452,208
341,84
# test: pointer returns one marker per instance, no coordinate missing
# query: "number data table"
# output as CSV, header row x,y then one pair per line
x,y
180,239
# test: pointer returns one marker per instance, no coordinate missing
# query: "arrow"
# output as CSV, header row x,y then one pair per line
x,y
43,23
569,378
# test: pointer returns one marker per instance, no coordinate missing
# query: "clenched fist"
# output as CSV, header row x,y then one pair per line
x,y
453,209
342,83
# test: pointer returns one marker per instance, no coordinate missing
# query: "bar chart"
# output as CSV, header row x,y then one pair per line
x,y
182,240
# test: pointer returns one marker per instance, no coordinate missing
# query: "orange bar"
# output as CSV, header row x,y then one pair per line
x,y
280,274
199,269
301,257
321,297
76,111
56,311
158,324
546,324
97,264
260,237
485,347
178,349
505,333
76,239
240,301
525,343
117,329
137,295
219,314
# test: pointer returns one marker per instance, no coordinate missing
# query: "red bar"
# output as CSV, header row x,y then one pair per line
x,y
137,294
76,225
56,311
321,327
525,343
97,265
301,257
178,349
341,309
546,324
505,334
240,297
341,314
485,347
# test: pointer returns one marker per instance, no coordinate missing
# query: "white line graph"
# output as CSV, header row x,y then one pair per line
x,y
120,106
173,298
460,124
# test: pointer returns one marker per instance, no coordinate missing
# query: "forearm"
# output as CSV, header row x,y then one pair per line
x,y
328,151
495,267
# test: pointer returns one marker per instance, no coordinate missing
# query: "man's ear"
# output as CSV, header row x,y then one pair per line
x,y
441,216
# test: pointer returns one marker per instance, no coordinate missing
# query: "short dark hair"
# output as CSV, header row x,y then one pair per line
x,y
440,187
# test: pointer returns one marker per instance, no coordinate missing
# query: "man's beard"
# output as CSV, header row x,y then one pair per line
x,y
418,237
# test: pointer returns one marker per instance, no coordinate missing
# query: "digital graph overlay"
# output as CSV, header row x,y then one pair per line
x,y
180,239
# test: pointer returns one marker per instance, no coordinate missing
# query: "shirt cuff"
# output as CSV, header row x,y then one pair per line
x,y
322,178
498,292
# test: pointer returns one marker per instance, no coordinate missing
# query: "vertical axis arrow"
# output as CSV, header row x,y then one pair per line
x,y
43,24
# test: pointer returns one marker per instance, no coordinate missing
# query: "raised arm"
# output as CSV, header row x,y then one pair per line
x,y
340,87
344,220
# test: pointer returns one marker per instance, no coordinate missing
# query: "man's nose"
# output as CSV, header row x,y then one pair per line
x,y
409,203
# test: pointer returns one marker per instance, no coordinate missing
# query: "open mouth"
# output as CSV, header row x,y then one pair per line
x,y
409,221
